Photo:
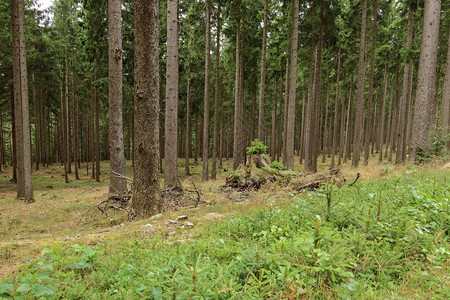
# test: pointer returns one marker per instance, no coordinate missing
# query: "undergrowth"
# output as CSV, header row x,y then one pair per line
x,y
375,240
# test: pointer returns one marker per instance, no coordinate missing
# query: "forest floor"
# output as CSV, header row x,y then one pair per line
x,y
65,215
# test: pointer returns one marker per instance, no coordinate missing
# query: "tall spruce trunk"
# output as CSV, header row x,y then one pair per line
x,y
21,106
205,166
188,123
262,83
445,111
171,116
273,134
358,129
75,120
336,112
425,80
290,132
216,100
402,120
368,123
117,183
237,103
146,188
382,112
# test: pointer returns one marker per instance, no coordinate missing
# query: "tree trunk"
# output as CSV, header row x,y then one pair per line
x,y
382,112
97,135
290,133
401,134
205,173
216,99
325,127
117,183
237,104
336,112
146,188
171,115
445,111
188,124
273,136
21,106
75,119
425,78
358,129
368,123
262,83
342,121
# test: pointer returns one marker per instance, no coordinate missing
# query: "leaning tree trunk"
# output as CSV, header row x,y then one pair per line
x,y
425,80
146,188
117,183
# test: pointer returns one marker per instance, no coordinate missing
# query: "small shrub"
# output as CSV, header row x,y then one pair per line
x,y
257,147
278,165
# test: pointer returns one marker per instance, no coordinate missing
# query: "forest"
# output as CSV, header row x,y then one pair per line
x,y
212,149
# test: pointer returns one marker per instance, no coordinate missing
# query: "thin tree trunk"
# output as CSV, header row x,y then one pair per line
x,y
290,132
188,125
171,115
382,112
216,99
358,129
205,173
237,103
336,112
262,83
117,183
401,131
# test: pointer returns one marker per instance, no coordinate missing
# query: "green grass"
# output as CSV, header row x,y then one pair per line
x,y
384,238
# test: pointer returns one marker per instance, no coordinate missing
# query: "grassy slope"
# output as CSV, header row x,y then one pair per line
x,y
387,237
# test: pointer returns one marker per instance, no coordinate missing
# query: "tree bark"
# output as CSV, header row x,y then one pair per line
x,y
205,173
146,188
445,111
216,99
237,104
425,78
22,117
188,123
262,83
382,112
368,135
117,183
402,120
336,112
171,116
290,133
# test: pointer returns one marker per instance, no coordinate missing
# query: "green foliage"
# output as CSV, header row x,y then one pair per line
x,y
257,147
379,240
438,148
278,165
